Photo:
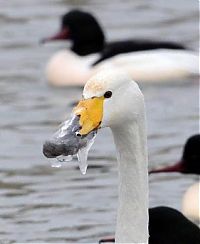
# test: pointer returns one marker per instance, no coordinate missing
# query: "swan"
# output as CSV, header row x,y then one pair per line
x,y
189,164
144,60
112,99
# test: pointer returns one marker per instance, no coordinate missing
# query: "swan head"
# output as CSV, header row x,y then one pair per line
x,y
82,29
120,97
110,99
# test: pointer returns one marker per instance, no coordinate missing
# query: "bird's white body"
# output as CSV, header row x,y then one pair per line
x,y
66,68
191,203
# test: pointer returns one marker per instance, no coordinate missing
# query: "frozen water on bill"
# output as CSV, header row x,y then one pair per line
x,y
63,158
82,155
72,143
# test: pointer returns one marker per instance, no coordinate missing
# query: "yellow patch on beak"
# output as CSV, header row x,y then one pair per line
x,y
91,113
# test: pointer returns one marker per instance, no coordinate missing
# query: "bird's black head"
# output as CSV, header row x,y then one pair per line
x,y
190,161
191,155
83,30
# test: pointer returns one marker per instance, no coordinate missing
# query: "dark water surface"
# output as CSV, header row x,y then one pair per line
x,y
43,204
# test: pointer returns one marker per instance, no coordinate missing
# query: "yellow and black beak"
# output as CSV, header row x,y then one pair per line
x,y
90,112
86,119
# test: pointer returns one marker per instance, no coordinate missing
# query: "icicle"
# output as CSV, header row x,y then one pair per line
x,y
82,155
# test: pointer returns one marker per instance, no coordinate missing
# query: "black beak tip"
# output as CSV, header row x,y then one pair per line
x,y
49,150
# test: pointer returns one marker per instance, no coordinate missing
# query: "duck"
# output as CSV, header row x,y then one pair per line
x,y
190,160
145,60
189,164
112,99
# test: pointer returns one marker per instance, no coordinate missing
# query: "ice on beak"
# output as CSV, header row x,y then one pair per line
x,y
67,142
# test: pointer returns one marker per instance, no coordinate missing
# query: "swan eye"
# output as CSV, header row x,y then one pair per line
x,y
108,94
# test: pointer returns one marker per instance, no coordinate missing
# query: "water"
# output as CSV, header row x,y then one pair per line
x,y
44,204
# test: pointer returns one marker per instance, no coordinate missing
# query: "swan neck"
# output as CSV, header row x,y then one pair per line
x,y
132,216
